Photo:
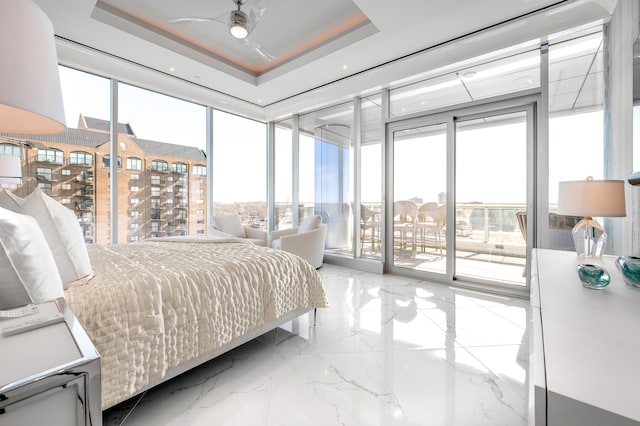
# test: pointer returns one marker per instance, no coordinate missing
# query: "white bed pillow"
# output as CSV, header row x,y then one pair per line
x,y
310,223
229,224
28,270
63,233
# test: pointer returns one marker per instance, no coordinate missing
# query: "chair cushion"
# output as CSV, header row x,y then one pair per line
x,y
276,244
310,223
230,224
28,270
217,233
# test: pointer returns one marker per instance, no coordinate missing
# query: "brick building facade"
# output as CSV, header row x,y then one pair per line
x,y
161,186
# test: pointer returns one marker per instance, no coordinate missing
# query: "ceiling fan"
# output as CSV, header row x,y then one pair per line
x,y
240,23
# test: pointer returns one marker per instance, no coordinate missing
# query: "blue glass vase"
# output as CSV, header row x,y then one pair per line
x,y
630,268
593,276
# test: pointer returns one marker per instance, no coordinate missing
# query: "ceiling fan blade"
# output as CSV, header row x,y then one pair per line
x,y
258,8
188,20
223,19
257,47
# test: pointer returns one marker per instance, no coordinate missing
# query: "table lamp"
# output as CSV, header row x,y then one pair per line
x,y
589,198
30,92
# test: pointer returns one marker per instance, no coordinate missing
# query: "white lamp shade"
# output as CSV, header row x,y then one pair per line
x,y
598,198
10,170
30,93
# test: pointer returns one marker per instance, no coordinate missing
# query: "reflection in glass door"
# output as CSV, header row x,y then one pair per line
x,y
419,188
491,197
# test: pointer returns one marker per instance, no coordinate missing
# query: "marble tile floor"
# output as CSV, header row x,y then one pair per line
x,y
388,351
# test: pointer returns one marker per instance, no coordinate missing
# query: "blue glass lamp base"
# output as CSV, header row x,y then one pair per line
x,y
630,268
593,276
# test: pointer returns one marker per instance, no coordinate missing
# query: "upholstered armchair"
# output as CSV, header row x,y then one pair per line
x,y
306,240
230,226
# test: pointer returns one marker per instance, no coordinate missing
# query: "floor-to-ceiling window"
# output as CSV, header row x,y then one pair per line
x,y
162,174
63,165
283,175
576,134
371,176
326,185
419,196
491,191
240,168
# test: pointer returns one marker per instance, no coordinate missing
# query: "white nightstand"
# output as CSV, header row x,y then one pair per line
x,y
49,374
584,367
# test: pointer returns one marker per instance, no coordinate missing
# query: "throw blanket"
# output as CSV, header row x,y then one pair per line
x,y
154,305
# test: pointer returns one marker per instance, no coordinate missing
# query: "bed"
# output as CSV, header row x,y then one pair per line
x,y
155,309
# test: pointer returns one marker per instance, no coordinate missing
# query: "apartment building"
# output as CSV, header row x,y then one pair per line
x,y
161,186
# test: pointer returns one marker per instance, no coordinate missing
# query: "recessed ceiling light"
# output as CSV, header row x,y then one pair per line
x,y
172,69
344,67
527,79
259,100
468,74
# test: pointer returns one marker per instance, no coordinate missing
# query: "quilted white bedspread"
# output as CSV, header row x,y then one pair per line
x,y
154,305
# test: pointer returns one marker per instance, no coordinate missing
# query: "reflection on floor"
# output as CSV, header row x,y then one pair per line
x,y
496,267
388,351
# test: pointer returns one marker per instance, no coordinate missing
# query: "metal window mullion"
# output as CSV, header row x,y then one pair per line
x,y
450,234
113,166
386,220
271,170
357,178
539,226
295,169
209,141
532,187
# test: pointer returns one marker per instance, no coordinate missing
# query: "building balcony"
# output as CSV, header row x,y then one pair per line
x,y
83,194
83,207
83,166
49,161
88,180
52,177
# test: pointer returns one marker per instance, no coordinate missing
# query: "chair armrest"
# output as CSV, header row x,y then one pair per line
x,y
256,233
217,233
308,245
282,232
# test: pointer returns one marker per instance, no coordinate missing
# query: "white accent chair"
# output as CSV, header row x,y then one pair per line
x,y
306,240
230,226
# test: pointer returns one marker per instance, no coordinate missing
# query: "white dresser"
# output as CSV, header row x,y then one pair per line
x,y
49,374
585,356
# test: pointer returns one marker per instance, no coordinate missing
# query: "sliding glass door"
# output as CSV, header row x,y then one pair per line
x,y
461,185
419,197
491,197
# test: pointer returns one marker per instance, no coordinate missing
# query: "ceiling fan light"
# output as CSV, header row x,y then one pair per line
x,y
238,24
